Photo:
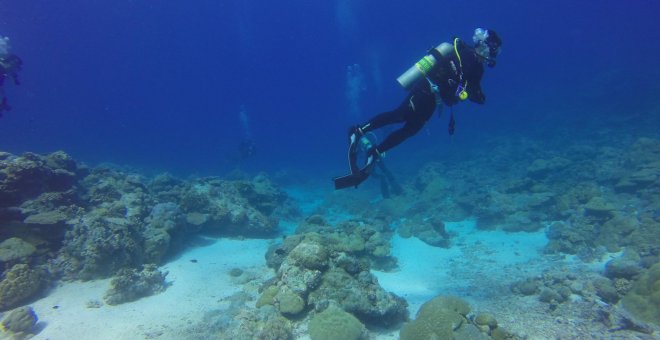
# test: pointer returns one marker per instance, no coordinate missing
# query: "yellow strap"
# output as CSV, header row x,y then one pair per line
x,y
458,55
459,61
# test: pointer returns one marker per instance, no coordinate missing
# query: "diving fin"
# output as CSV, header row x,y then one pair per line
x,y
357,175
352,180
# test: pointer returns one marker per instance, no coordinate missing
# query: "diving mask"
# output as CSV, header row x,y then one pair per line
x,y
487,45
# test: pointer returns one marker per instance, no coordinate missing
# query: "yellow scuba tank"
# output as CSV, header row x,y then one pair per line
x,y
422,67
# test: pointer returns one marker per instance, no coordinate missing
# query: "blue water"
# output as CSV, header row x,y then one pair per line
x,y
160,86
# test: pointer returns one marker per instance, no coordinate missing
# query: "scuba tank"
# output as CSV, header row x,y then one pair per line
x,y
422,67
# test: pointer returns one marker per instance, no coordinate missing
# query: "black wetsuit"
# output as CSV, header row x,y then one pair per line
x,y
419,105
9,67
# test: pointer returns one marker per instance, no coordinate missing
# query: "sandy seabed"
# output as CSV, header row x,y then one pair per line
x,y
479,267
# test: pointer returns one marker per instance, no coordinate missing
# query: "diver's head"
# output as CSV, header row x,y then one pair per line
x,y
487,45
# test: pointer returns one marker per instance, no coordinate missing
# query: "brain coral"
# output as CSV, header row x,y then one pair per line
x,y
437,319
334,323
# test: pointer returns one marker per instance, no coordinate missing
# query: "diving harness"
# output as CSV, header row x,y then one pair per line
x,y
461,89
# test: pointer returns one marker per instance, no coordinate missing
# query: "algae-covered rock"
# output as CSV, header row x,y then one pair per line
x,y
196,218
288,302
335,324
156,244
549,295
469,331
606,290
131,284
626,266
361,296
20,283
241,323
619,231
431,231
15,249
437,319
501,334
570,238
47,218
485,319
451,303
541,168
416,330
600,208
20,320
525,287
261,193
61,160
267,296
309,255
300,280
643,301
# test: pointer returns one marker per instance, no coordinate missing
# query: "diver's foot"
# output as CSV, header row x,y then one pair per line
x,y
354,134
373,155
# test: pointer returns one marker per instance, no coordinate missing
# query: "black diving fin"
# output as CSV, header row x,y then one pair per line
x,y
352,180
357,175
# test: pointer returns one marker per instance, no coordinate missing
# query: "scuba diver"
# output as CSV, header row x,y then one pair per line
x,y
10,64
246,149
449,73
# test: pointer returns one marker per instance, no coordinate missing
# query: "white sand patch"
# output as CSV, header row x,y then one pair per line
x,y
480,267
470,268
196,288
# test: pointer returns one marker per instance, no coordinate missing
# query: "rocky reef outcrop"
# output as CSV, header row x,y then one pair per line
x,y
77,222
324,266
448,317
131,284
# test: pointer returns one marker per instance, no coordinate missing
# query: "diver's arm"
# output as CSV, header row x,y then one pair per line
x,y
476,95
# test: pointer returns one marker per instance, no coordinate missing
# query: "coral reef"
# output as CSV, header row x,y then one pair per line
x,y
20,322
322,266
131,284
19,284
369,239
26,176
15,249
89,223
99,247
431,231
591,196
233,207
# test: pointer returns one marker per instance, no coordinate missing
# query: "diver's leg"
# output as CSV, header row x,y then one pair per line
x,y
356,132
416,113
397,115
389,178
